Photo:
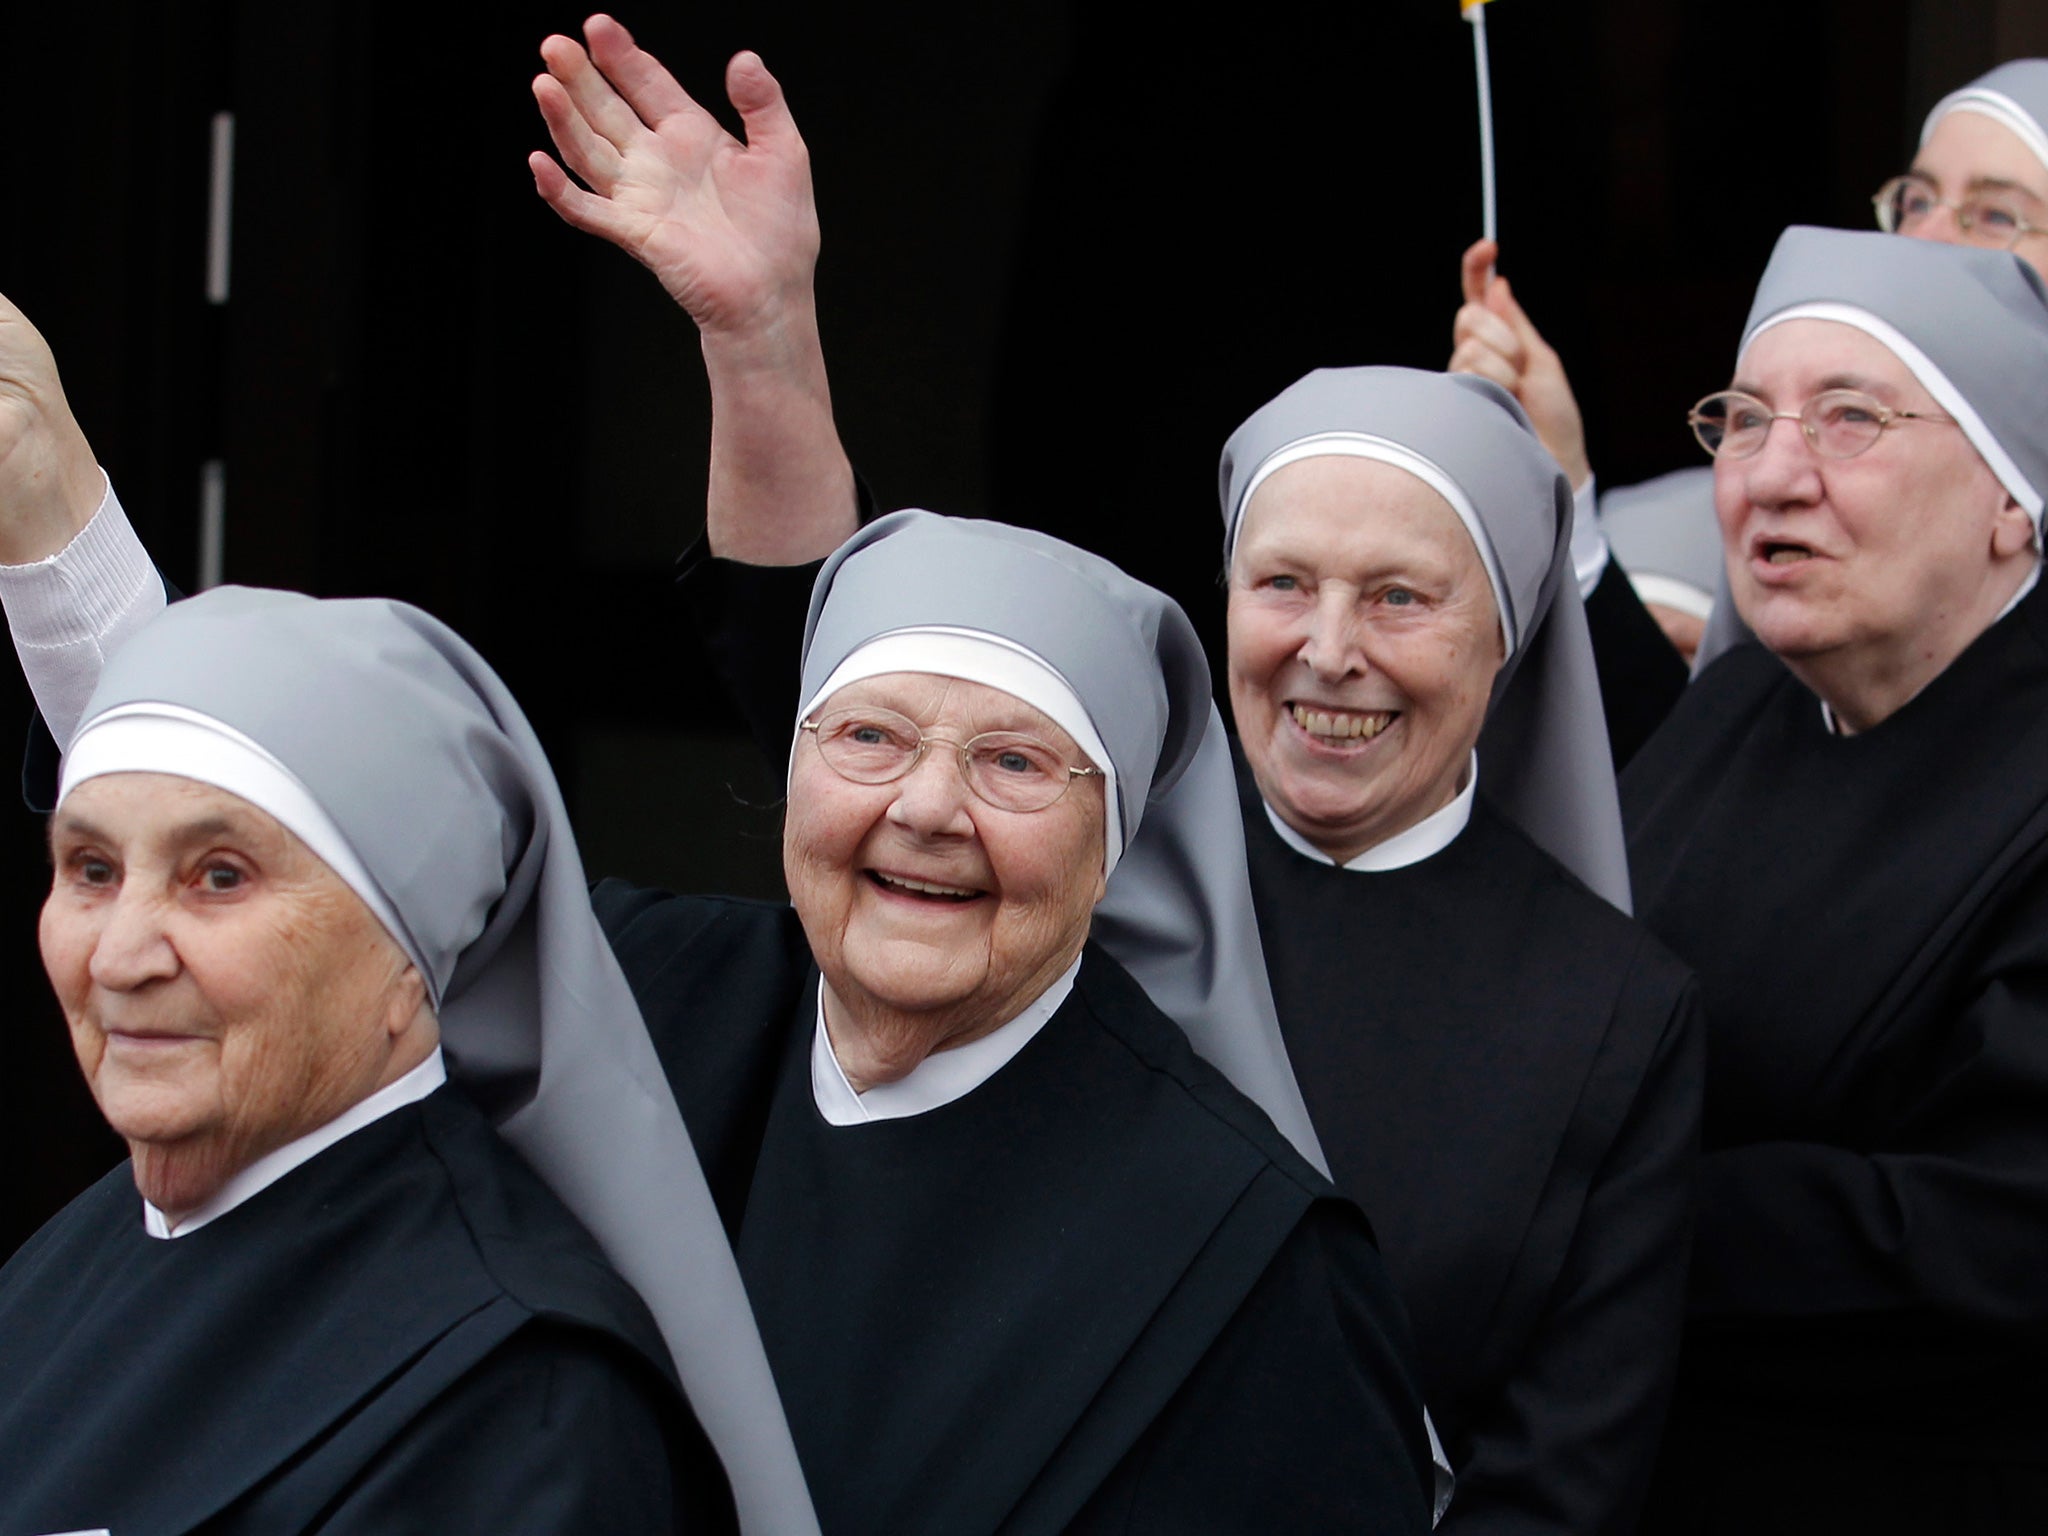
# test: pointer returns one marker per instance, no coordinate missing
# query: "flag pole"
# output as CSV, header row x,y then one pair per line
x,y
1475,13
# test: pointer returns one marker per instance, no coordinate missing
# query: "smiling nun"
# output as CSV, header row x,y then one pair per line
x,y
1023,1260
1502,1066
1844,828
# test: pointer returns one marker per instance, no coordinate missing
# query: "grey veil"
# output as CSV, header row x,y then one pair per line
x,y
1547,764
1970,325
1178,913
421,757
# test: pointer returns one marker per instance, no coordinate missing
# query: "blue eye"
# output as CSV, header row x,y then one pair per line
x,y
1284,584
1399,597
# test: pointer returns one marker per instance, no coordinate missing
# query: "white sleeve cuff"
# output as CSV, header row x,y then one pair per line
x,y
1589,544
70,612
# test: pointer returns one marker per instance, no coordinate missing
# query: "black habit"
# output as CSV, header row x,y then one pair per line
x,y
1869,919
406,1333
1504,1072
1098,1293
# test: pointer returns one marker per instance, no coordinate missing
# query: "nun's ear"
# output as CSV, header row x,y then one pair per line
x,y
2012,530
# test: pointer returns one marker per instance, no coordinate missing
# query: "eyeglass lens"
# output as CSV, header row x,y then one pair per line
x,y
1906,203
876,746
1839,423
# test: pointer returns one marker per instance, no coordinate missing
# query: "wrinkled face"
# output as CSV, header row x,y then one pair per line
x,y
225,990
1882,553
1969,153
1364,640
922,903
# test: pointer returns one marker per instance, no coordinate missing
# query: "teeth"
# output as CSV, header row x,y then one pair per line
x,y
1342,724
922,887
1786,555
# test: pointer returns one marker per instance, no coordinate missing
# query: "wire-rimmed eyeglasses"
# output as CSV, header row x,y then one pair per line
x,y
1005,769
1838,423
1993,218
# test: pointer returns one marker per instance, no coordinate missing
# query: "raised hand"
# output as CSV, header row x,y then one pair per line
x,y
50,484
729,228
1495,339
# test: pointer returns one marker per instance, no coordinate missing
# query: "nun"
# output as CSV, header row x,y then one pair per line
x,y
1503,1066
1844,828
1026,1197
1980,177
323,1293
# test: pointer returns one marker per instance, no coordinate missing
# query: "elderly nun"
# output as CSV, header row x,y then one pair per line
x,y
310,864
1503,1067
1844,828
1023,1260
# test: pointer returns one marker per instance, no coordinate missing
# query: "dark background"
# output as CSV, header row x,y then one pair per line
x,y
1067,248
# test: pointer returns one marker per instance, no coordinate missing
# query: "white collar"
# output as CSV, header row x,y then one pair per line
x,y
272,1166
1431,835
940,1078
1827,714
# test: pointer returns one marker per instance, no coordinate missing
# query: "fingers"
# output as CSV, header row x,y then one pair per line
x,y
1478,325
1474,357
596,160
577,208
1475,270
592,95
1501,301
638,76
757,96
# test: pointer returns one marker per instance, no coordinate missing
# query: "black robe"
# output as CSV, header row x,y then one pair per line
x,y
1869,919
405,1333
1504,1071
1098,1293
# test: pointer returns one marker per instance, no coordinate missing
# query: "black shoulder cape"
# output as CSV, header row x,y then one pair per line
x,y
405,1333
1869,919
1017,1311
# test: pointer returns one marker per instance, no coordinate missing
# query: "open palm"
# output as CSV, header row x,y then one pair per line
x,y
729,228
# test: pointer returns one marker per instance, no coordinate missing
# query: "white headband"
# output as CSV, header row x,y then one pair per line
x,y
1997,106
1933,380
168,738
1360,445
991,660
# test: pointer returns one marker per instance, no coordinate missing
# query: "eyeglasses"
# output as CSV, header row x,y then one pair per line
x,y
1997,220
1838,423
1009,771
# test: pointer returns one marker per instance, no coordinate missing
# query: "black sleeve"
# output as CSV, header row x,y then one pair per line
x,y
1641,674
752,620
550,1435
1567,1448
1302,1417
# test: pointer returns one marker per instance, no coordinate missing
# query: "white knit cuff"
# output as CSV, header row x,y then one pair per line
x,y
68,613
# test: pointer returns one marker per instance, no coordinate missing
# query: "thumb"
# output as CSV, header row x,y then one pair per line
x,y
758,98
1475,271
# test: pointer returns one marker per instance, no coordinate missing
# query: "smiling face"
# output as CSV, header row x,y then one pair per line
x,y
1969,154
225,990
934,916
1364,640
1866,575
